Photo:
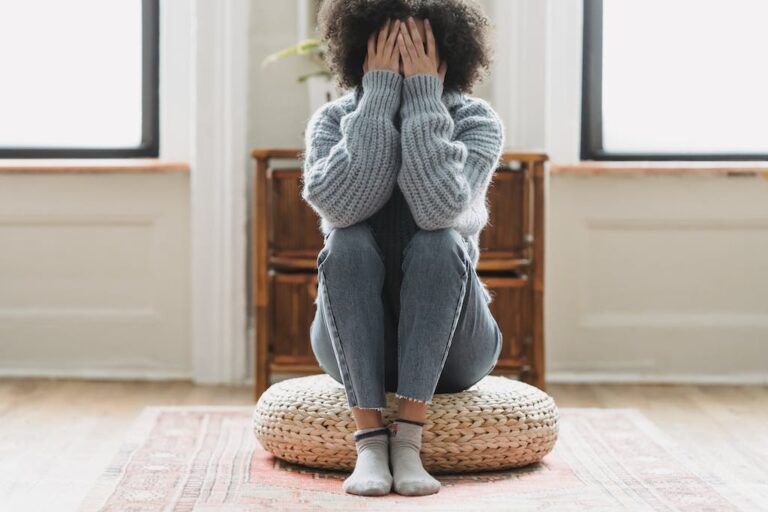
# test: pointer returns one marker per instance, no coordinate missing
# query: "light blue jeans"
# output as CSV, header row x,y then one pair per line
x,y
424,329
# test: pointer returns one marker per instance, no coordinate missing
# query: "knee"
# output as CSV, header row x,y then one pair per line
x,y
438,247
322,346
352,248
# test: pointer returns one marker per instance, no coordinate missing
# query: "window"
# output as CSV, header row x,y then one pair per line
x,y
79,78
675,80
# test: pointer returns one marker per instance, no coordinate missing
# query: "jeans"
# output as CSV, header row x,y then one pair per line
x,y
425,328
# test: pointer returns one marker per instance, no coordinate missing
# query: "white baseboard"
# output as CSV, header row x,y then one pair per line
x,y
552,377
747,379
95,374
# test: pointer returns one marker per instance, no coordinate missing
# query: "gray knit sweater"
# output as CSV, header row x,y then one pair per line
x,y
395,138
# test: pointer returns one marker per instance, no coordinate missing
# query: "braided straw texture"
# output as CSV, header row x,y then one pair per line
x,y
498,423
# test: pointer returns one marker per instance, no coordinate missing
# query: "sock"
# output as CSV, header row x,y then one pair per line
x,y
371,476
410,477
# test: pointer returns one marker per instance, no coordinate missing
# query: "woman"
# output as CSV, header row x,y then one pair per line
x,y
398,172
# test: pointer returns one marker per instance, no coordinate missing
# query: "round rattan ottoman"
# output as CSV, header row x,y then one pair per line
x,y
498,423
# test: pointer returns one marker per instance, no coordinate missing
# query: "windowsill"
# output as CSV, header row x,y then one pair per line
x,y
90,166
622,168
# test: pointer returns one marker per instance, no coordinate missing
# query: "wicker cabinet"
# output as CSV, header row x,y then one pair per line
x,y
285,241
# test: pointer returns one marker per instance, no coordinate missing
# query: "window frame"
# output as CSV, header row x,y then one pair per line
x,y
150,129
591,147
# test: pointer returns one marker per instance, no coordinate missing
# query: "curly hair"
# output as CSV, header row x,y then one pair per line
x,y
460,27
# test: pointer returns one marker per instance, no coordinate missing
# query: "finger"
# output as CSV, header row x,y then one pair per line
x,y
408,42
443,70
418,44
390,47
403,49
383,32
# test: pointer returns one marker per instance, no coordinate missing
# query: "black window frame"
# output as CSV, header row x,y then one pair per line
x,y
591,102
150,130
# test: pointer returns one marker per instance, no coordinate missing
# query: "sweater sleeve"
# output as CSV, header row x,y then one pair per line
x,y
351,159
446,165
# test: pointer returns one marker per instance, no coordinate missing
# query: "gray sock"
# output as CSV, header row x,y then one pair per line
x,y
410,477
371,476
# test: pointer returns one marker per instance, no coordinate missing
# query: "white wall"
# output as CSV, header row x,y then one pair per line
x,y
658,278
95,268
94,275
188,229
648,278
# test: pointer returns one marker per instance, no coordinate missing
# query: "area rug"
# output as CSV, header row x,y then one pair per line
x,y
207,459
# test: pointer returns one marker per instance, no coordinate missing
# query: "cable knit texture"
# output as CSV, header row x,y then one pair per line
x,y
403,137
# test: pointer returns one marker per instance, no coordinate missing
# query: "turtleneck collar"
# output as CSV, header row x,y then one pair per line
x,y
451,97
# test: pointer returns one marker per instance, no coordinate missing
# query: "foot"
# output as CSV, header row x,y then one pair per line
x,y
371,476
410,477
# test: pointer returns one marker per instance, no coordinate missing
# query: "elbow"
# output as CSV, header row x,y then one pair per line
x,y
315,193
315,201
429,224
309,195
430,218
341,221
434,222
335,215
445,218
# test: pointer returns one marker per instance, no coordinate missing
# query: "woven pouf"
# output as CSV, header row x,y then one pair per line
x,y
498,423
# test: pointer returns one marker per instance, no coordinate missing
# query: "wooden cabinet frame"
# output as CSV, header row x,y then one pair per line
x,y
285,240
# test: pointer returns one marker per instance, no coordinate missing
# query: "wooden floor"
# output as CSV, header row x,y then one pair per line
x,y
56,437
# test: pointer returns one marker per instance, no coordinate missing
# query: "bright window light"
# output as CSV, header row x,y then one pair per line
x,y
685,76
71,73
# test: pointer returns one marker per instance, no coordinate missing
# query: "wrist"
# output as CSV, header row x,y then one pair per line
x,y
421,92
381,91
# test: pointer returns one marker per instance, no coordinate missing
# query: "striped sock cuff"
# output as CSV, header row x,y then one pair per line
x,y
413,422
358,435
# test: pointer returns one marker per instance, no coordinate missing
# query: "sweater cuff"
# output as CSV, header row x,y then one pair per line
x,y
422,92
381,92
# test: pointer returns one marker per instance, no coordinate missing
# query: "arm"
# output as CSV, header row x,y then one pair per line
x,y
446,165
351,160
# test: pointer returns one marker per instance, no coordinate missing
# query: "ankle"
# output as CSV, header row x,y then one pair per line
x,y
411,421
364,433
406,433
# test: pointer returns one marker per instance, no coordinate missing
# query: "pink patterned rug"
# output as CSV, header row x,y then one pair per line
x,y
207,459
